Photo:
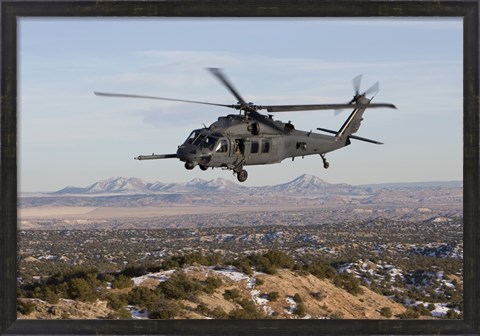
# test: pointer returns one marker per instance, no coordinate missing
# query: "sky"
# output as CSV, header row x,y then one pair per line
x,y
69,136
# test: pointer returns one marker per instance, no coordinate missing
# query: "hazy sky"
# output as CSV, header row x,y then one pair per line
x,y
69,136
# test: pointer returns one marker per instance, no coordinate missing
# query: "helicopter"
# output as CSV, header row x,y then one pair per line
x,y
251,138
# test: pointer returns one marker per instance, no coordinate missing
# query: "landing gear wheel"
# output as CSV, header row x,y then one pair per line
x,y
189,165
242,175
325,163
202,167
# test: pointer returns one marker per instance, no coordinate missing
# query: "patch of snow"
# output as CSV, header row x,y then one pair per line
x,y
159,276
138,314
292,305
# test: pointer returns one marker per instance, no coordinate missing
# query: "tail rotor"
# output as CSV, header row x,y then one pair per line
x,y
356,82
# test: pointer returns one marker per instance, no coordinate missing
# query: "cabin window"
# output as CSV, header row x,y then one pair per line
x,y
255,147
222,146
238,147
266,146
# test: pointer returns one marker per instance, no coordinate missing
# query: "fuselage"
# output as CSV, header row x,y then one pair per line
x,y
238,140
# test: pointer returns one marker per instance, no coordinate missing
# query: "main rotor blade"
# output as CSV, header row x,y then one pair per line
x,y
122,95
222,78
356,84
373,89
294,108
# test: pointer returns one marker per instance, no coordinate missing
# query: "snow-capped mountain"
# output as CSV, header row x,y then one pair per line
x,y
304,184
117,184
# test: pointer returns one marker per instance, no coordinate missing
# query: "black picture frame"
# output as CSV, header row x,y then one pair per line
x,y
12,10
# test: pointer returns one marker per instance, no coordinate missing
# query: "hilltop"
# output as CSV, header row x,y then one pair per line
x,y
284,295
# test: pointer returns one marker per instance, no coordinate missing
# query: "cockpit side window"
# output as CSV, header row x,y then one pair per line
x,y
198,139
210,142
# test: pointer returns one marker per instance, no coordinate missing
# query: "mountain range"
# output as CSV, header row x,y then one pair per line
x,y
304,184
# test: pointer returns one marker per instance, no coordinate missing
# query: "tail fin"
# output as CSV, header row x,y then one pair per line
x,y
352,124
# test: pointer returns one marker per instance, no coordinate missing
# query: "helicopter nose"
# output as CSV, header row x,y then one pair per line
x,y
186,154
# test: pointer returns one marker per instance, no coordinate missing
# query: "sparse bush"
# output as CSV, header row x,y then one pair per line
x,y
244,267
25,307
300,309
163,309
409,314
211,283
122,282
179,286
218,313
318,295
452,314
420,308
134,271
279,259
348,282
248,311
117,301
386,312
231,294
142,296
297,298
321,270
81,289
273,296
337,315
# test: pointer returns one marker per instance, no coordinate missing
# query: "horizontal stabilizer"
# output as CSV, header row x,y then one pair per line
x,y
352,136
156,157
365,139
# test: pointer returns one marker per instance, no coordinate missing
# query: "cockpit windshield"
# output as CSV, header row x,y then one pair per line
x,y
193,136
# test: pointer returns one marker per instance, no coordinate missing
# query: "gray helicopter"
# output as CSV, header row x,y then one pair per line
x,y
251,138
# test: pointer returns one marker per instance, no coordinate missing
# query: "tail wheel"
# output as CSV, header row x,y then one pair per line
x,y
242,175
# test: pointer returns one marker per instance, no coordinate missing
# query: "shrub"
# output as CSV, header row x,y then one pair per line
x,y
409,314
273,296
337,315
231,294
117,301
211,283
318,295
300,310
297,298
248,311
279,259
122,282
142,296
321,270
348,282
386,312
25,307
82,290
179,286
163,309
